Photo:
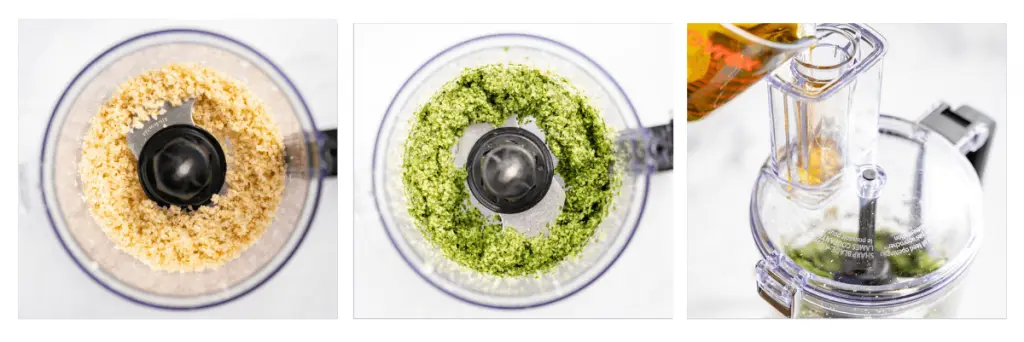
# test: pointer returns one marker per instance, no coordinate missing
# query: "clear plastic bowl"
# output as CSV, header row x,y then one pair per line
x,y
570,276
86,242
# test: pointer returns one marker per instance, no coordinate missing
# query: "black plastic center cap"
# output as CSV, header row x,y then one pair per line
x,y
182,165
509,170
873,271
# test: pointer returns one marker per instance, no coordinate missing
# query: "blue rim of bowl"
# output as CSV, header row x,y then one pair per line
x,y
49,124
376,147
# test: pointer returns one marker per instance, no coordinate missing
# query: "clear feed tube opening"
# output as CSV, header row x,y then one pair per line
x,y
813,99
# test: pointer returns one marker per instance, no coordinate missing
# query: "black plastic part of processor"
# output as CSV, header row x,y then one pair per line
x,y
954,125
182,165
509,170
329,154
874,268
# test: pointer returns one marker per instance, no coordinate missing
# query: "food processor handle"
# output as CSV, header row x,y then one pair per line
x,y
967,128
329,151
648,147
659,146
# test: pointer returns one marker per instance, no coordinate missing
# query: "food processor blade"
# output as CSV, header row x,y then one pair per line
x,y
173,115
509,170
179,163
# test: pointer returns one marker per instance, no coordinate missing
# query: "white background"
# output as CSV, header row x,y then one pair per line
x,y
639,284
535,11
50,285
925,64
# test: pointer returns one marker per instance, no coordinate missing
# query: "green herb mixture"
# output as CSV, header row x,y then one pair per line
x,y
820,259
439,201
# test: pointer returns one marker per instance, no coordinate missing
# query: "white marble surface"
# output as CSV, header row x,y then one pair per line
x,y
49,283
640,282
958,64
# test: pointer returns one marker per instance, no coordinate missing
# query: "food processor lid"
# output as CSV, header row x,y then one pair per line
x,y
893,230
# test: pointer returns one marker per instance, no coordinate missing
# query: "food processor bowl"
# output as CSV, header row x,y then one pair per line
x,y
927,231
571,275
86,242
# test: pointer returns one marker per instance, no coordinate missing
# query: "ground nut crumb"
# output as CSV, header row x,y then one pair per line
x,y
171,238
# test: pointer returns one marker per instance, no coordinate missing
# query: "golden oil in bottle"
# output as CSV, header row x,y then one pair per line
x,y
721,64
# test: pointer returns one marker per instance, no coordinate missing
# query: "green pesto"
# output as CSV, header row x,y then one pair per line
x,y
819,259
436,189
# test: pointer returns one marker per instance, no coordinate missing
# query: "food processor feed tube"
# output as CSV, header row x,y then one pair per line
x,y
816,107
816,101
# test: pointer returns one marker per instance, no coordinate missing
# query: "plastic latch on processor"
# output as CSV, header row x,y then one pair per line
x,y
775,289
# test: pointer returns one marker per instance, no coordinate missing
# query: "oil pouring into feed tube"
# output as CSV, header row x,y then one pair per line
x,y
856,213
